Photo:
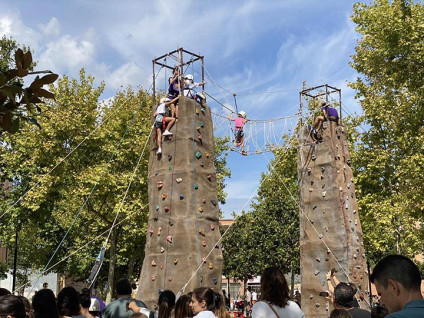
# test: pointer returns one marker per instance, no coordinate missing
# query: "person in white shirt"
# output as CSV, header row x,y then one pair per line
x,y
162,122
275,300
254,297
189,88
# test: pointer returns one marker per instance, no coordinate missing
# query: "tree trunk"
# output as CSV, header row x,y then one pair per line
x,y
131,269
292,283
112,264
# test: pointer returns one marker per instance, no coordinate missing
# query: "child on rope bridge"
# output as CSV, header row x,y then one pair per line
x,y
240,121
162,122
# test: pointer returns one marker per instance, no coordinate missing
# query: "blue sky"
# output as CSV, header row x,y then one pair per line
x,y
250,47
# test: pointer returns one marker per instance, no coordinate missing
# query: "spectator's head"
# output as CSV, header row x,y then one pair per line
x,y
203,299
4,292
44,304
166,303
274,287
85,298
220,309
27,305
343,296
397,280
379,312
68,302
182,307
123,287
12,306
340,313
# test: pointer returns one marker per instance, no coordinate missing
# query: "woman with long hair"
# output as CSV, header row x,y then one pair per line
x,y
204,302
44,304
275,300
182,307
12,306
68,302
220,309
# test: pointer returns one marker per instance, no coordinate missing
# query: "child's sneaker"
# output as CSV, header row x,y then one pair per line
x,y
167,133
159,151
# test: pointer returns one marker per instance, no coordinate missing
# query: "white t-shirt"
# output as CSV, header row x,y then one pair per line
x,y
161,109
248,296
254,296
205,314
262,310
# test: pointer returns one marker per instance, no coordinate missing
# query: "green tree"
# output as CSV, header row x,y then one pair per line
x,y
389,156
269,234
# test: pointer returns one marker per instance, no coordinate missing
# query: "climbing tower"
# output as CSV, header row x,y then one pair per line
x,y
330,228
182,231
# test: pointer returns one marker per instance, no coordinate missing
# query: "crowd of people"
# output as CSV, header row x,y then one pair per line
x,y
396,278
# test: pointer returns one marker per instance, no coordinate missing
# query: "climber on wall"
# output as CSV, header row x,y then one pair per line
x,y
174,90
189,89
240,121
162,122
329,114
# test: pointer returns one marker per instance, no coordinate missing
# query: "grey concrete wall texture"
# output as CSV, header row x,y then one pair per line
x,y
183,209
330,229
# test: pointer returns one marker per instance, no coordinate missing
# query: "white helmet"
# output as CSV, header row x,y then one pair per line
x,y
189,77
242,114
163,100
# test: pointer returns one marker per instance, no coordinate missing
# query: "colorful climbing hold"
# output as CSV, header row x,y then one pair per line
x,y
160,185
202,231
324,193
200,138
161,265
212,227
156,173
164,196
157,207
162,250
155,218
170,278
178,180
204,201
210,266
151,232
170,168
216,246
169,238
166,209
203,110
153,263
214,202
207,154
202,124
197,111
200,209
209,177
204,260
198,129
202,164
204,243
215,281
196,187
198,155
159,230
181,197
153,278
313,157
316,272
175,261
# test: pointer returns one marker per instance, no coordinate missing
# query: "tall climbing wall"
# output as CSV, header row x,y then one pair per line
x,y
183,209
330,229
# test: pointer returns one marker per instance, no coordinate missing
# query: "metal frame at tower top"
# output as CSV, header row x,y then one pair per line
x,y
178,57
317,93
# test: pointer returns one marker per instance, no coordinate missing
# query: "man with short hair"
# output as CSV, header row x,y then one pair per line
x,y
343,298
398,283
119,308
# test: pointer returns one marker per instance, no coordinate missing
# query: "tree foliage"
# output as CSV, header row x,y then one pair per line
x,y
389,156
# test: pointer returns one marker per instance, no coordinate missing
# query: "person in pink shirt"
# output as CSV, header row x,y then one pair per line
x,y
240,121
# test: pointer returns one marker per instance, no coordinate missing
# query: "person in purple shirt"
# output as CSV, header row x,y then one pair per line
x,y
329,114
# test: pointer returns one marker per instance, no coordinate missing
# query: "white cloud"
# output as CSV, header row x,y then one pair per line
x,y
51,28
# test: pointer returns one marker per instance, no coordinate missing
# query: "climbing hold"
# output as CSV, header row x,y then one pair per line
x,y
201,279
338,171
207,154
197,111
204,243
354,211
170,168
178,180
354,256
200,138
157,207
210,266
153,278
151,232
324,193
155,218
198,155
323,186
354,276
209,177
327,259
320,236
315,206
202,231
328,251
204,260
164,196
361,276
216,246
212,227
214,202
311,189
170,223
316,272
169,157
202,164
350,221
198,129
170,278
153,263
156,173
322,177
322,169
200,209
358,267
313,157
204,201
318,259
356,221
169,238
348,185
166,209
351,180
160,185
159,230
181,197
317,305
312,221
161,265
215,281
309,171
326,228
196,187
162,250
311,296
202,124
175,261
340,189
203,110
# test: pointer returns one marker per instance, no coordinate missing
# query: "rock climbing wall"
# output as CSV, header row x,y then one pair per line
x,y
330,229
183,209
